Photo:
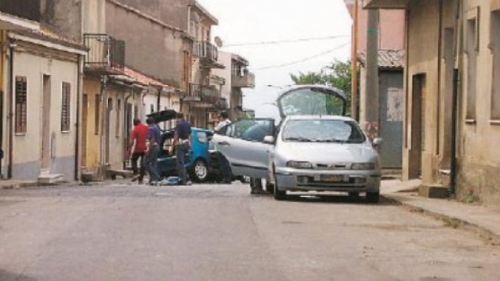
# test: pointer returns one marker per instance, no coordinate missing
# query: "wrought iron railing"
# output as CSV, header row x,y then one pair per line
x,y
204,93
104,52
205,49
26,9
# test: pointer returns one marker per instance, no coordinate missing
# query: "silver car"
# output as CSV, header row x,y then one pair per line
x,y
323,153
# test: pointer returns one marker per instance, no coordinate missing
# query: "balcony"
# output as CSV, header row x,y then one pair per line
x,y
385,4
246,80
20,14
202,96
208,54
106,54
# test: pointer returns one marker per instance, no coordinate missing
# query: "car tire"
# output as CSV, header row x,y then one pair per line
x,y
278,194
373,197
199,171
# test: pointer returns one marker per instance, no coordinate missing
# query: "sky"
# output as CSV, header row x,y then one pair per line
x,y
257,21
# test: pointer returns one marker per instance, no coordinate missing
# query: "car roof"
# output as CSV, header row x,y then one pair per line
x,y
316,117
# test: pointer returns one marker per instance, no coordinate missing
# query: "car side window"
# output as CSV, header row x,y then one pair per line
x,y
202,137
251,130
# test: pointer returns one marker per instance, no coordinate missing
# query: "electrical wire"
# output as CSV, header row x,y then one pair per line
x,y
286,41
304,59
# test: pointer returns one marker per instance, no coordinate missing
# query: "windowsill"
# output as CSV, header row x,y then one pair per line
x,y
65,132
495,122
20,134
470,121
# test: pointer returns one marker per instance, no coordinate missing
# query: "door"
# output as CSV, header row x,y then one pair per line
x,y
242,143
85,104
46,122
391,119
417,125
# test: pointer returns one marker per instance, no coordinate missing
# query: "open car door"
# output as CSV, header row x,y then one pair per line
x,y
242,143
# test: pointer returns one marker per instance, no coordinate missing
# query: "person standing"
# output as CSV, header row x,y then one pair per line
x,y
223,163
153,150
138,148
182,144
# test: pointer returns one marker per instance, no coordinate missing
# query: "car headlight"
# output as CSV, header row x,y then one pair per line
x,y
363,166
299,164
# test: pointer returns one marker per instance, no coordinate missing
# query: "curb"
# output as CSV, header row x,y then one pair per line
x,y
487,235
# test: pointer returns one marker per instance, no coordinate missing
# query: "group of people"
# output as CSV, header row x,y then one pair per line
x,y
145,147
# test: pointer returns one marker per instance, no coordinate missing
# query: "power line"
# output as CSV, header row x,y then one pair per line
x,y
304,59
286,41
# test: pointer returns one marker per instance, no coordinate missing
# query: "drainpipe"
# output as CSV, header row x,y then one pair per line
x,y
11,105
456,85
125,130
158,100
102,139
78,117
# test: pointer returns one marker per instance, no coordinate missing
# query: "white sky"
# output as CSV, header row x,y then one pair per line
x,y
249,21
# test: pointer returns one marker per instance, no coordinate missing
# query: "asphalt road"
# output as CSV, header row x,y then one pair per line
x,y
211,232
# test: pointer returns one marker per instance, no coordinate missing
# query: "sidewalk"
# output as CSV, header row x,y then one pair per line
x,y
483,220
10,184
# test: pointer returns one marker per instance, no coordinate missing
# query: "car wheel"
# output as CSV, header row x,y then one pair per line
x,y
373,197
199,171
278,194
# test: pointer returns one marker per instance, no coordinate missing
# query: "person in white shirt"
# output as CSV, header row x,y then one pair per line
x,y
223,121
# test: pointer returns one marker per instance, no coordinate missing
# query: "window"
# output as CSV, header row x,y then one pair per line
x,y
247,129
66,107
495,47
97,113
471,48
152,108
21,104
322,130
118,115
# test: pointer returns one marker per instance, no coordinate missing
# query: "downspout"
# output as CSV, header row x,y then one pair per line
x,y
11,107
456,83
77,125
158,99
125,130
102,142
439,69
2,98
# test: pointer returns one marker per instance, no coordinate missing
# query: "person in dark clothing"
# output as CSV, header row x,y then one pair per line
x,y
153,150
225,169
182,144
138,148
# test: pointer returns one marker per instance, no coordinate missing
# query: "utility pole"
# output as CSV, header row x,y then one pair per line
x,y
354,62
372,79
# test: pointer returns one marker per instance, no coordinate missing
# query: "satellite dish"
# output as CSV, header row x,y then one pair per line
x,y
218,41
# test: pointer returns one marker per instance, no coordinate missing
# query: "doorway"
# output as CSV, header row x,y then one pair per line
x,y
418,125
85,112
46,123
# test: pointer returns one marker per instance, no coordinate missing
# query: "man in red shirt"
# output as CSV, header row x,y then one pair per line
x,y
138,148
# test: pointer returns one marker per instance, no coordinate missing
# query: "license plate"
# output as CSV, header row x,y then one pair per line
x,y
332,178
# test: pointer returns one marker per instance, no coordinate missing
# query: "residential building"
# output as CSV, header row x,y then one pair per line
x,y
40,115
452,93
190,25
391,31
233,78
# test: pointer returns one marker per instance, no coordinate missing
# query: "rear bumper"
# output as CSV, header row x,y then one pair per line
x,y
288,179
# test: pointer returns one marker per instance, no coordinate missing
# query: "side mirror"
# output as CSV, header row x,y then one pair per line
x,y
269,139
377,142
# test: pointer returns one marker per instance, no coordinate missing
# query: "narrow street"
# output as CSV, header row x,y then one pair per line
x,y
211,232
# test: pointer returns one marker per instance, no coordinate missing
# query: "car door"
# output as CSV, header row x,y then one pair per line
x,y
242,143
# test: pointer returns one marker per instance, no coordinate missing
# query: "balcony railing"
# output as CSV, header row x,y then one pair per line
x,y
25,9
385,4
246,80
205,50
202,93
105,53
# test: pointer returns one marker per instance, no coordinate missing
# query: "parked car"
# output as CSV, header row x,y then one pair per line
x,y
249,145
197,161
323,153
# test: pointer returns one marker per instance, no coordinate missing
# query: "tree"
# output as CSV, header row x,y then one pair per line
x,y
337,74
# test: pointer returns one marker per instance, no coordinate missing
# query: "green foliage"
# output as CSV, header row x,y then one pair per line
x,y
337,74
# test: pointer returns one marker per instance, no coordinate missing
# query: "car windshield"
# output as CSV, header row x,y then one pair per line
x,y
335,131
309,101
